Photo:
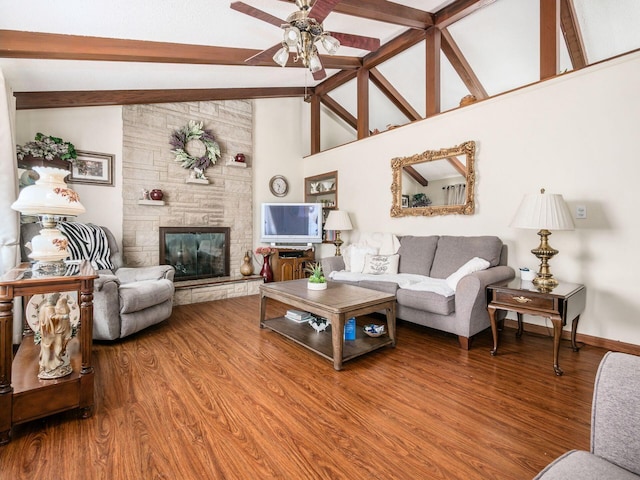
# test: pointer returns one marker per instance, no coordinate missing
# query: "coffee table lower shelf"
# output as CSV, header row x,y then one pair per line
x,y
320,343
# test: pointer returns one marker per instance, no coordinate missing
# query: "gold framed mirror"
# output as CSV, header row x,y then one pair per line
x,y
434,182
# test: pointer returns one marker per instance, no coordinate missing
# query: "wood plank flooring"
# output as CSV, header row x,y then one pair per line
x,y
209,395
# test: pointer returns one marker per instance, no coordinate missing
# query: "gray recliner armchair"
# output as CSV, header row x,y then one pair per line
x,y
615,427
125,300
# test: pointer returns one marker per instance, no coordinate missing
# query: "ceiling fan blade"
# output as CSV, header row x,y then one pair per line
x,y
264,55
257,13
357,41
319,75
321,9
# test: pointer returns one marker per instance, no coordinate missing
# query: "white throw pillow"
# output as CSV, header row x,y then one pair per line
x,y
379,264
474,265
346,257
358,256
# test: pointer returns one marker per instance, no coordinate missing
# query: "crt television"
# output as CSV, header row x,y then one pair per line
x,y
291,223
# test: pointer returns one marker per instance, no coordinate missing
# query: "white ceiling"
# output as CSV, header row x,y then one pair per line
x,y
500,41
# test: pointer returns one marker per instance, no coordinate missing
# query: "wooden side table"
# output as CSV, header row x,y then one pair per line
x,y
565,302
23,396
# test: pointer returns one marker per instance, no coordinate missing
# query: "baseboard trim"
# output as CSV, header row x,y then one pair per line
x,y
580,338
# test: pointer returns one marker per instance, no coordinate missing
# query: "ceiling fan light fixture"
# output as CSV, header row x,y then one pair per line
x,y
282,56
314,62
291,36
330,44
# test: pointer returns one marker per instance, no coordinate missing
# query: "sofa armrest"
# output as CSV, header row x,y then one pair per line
x,y
138,274
471,298
103,279
471,285
332,264
615,414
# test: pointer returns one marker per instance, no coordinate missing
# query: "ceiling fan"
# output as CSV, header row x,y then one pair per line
x,y
302,31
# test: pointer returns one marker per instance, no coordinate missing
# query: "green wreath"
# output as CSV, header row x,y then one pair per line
x,y
194,131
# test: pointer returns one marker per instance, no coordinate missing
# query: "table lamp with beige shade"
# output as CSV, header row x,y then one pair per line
x,y
338,221
544,212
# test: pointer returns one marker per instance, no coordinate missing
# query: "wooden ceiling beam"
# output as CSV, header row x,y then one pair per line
x,y
413,173
458,165
390,49
432,61
363,103
53,46
384,11
457,10
31,100
549,44
394,95
315,124
572,34
340,111
335,81
461,66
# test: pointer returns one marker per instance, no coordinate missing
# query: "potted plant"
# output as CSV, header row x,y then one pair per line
x,y
316,280
47,147
45,151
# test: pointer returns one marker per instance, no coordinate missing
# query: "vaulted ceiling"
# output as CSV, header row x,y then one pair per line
x,y
74,52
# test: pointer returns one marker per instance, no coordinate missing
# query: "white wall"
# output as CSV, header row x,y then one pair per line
x,y
95,129
279,147
573,135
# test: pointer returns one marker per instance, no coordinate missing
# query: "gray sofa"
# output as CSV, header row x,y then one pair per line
x,y
463,314
125,300
615,427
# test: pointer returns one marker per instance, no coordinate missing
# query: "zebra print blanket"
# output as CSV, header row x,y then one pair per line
x,y
87,242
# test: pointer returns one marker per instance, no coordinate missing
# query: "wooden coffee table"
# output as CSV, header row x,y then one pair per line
x,y
337,303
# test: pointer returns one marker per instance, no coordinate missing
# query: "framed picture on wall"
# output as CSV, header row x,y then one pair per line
x,y
405,201
92,168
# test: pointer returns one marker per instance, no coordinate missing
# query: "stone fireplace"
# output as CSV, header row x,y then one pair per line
x,y
224,202
195,252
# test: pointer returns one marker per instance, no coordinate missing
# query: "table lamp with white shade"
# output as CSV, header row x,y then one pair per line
x,y
51,200
338,221
543,211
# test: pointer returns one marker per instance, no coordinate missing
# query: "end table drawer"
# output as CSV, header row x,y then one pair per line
x,y
524,300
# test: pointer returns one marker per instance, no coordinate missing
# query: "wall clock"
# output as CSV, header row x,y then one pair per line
x,y
279,186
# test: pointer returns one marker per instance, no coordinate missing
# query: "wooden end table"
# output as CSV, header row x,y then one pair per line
x,y
337,303
23,396
565,302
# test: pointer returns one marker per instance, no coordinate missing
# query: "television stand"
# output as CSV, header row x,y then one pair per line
x,y
290,263
292,254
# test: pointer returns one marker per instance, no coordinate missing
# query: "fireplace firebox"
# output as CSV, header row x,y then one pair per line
x,y
195,252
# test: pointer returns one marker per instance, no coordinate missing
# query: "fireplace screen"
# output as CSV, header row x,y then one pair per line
x,y
195,252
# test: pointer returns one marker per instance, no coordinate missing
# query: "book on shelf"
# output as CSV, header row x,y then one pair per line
x,y
298,316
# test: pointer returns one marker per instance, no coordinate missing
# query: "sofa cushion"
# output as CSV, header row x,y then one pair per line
x,y
416,254
136,296
381,264
355,256
453,252
386,287
427,301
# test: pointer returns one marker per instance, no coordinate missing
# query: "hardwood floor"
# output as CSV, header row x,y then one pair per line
x,y
209,395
